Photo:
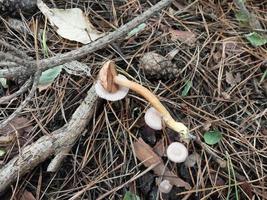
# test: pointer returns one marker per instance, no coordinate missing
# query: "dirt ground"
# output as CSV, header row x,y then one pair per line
x,y
210,77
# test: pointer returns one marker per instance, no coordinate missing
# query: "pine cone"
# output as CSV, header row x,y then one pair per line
x,y
157,66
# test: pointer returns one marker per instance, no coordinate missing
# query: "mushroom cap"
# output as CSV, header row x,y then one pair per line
x,y
115,96
165,186
177,152
153,119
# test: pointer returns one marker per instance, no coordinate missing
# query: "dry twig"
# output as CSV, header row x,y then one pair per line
x,y
46,146
87,49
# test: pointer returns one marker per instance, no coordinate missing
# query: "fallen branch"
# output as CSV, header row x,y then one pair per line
x,y
22,89
87,49
18,52
65,137
4,122
48,145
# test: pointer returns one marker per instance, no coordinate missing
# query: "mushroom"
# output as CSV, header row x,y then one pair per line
x,y
177,152
111,82
153,119
111,96
105,87
165,186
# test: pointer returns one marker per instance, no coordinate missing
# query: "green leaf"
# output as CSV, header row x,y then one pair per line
x,y
263,76
256,39
44,44
242,17
137,30
187,87
212,137
2,152
3,82
48,77
130,196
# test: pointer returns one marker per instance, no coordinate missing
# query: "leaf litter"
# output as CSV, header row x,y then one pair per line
x,y
149,158
106,151
71,24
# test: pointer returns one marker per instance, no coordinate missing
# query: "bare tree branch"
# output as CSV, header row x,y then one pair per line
x,y
46,146
87,49
17,93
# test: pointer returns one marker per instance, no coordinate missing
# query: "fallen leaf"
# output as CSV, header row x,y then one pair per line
x,y
217,56
212,137
48,77
192,159
186,37
6,139
172,54
14,135
149,158
231,79
26,195
256,39
226,96
2,152
206,126
187,87
146,182
243,18
71,24
160,148
216,180
130,196
136,30
74,67
246,187
18,25
3,82
232,46
148,135
18,124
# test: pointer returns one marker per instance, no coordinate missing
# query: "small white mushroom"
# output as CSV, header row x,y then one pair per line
x,y
115,96
153,119
177,152
165,186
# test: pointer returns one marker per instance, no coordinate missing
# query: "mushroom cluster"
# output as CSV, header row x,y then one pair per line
x,y
113,87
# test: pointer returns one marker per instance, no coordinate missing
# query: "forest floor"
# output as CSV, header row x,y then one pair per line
x,y
213,78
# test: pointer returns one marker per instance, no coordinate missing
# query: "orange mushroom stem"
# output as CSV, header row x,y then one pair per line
x,y
111,81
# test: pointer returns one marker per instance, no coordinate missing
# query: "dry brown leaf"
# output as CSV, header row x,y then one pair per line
x,y
216,180
231,79
186,37
26,195
71,24
192,159
246,187
16,124
148,157
226,96
19,124
160,148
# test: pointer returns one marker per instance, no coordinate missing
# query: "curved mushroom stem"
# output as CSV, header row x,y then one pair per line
x,y
150,97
